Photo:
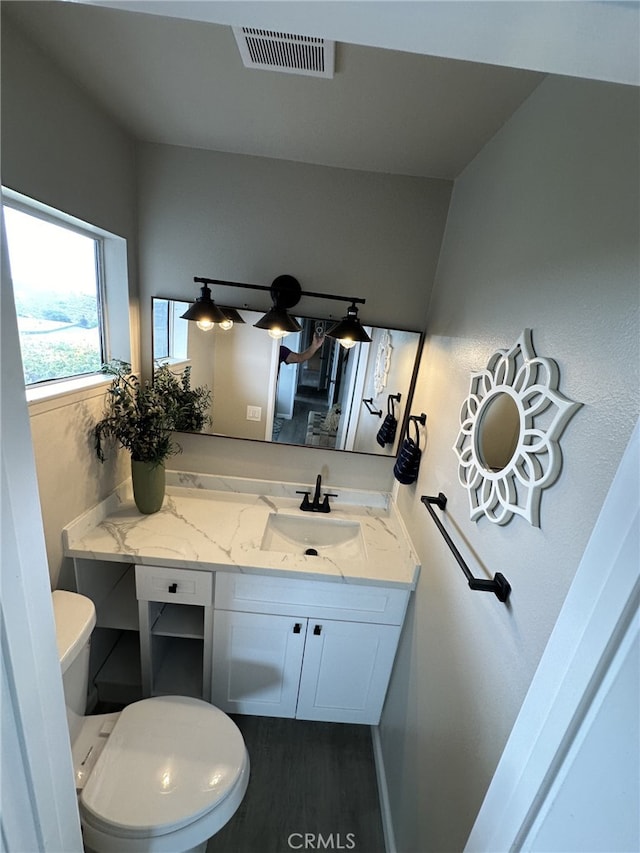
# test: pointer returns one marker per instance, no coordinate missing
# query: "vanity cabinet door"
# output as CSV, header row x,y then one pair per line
x,y
332,664
256,662
346,671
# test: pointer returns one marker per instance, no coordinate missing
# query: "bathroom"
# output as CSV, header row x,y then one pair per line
x,y
538,231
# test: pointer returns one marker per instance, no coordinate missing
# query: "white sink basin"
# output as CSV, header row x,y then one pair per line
x,y
329,537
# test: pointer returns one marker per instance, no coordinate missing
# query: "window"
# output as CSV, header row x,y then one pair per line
x,y
77,274
170,331
56,273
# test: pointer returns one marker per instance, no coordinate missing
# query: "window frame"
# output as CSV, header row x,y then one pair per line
x,y
112,292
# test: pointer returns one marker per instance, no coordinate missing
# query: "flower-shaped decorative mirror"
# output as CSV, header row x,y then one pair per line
x,y
510,424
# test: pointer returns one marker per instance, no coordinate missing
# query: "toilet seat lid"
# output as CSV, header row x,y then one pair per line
x,y
168,761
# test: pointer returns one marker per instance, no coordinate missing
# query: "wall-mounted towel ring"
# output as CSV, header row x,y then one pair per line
x,y
408,462
387,432
371,408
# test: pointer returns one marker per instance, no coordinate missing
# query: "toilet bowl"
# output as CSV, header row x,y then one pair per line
x,y
164,774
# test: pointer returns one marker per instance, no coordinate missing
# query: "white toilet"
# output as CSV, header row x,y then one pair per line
x,y
164,774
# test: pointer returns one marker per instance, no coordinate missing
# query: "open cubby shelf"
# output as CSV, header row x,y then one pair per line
x,y
180,620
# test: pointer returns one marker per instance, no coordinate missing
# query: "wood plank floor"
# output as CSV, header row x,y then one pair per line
x,y
309,779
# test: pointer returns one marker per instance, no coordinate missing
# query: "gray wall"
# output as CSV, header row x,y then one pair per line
x,y
249,219
542,233
61,149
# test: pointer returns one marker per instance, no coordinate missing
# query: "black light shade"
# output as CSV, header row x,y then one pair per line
x,y
204,309
285,292
349,330
232,314
278,320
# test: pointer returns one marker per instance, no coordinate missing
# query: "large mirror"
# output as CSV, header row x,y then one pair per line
x,y
337,399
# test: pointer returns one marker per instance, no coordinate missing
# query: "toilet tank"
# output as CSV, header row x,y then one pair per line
x,y
75,617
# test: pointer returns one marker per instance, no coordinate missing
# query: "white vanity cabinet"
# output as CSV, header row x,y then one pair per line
x,y
308,649
197,607
175,608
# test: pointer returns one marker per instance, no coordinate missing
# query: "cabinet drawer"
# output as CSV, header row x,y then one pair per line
x,y
319,599
180,586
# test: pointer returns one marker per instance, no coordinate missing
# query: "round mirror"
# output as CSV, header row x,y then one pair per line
x,y
497,431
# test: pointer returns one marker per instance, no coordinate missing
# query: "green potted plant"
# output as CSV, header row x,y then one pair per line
x,y
188,407
141,416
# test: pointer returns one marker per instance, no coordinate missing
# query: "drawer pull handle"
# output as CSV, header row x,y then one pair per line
x,y
317,630
173,587
297,628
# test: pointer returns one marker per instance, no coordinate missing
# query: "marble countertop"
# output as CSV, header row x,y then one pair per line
x,y
217,524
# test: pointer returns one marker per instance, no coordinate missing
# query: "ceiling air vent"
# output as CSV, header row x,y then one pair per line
x,y
273,51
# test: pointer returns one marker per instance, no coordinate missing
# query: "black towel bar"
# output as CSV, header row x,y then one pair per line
x,y
499,585
421,419
370,407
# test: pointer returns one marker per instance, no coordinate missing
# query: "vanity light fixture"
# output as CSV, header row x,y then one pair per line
x,y
232,316
285,292
205,312
278,322
349,331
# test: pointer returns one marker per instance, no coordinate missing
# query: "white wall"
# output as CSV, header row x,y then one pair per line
x,y
542,233
243,375
60,149
597,40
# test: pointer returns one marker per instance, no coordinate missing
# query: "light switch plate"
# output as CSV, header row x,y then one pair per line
x,y
254,413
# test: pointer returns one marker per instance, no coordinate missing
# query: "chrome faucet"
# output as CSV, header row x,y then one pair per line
x,y
317,504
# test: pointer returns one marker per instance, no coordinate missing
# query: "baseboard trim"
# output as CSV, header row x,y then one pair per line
x,y
383,792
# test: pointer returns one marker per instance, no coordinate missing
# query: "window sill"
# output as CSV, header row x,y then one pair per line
x,y
172,362
56,395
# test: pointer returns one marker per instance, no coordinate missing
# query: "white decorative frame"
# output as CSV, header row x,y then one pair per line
x,y
383,363
532,383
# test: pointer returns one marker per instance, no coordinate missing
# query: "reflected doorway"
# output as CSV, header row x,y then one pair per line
x,y
309,394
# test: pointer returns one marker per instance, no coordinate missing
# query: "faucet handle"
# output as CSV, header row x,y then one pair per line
x,y
306,503
325,507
